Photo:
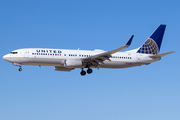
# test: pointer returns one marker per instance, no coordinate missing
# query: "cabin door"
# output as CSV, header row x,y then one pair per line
x,y
26,53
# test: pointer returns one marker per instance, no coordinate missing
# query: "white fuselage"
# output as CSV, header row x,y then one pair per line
x,y
57,57
67,60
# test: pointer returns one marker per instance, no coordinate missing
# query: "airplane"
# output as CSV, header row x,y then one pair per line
x,y
67,60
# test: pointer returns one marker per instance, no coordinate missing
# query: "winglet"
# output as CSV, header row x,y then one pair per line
x,y
130,40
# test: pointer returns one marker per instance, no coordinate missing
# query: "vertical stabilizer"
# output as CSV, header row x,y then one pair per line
x,y
153,43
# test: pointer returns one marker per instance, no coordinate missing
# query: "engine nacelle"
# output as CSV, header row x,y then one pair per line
x,y
57,68
73,63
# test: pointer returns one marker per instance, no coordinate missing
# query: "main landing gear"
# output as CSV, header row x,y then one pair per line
x,y
89,71
83,72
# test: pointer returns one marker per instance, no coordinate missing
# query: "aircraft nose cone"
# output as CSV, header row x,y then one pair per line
x,y
5,57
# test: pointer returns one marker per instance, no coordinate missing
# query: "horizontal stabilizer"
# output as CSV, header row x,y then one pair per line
x,y
161,55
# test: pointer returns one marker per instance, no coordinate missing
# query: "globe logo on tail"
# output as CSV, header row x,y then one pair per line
x,y
149,47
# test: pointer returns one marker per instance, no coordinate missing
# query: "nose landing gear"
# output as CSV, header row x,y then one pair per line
x,y
20,69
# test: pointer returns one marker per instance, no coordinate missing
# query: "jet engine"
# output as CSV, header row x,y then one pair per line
x,y
73,63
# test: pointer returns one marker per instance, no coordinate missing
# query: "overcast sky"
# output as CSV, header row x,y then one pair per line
x,y
149,92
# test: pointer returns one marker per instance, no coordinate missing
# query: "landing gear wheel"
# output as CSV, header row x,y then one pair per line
x,y
20,69
83,72
89,71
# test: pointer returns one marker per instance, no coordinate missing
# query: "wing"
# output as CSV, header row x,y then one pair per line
x,y
99,58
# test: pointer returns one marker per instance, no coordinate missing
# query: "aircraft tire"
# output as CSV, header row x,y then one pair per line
x,y
20,69
89,71
83,72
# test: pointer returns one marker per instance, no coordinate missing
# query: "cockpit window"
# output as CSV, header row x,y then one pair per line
x,y
13,52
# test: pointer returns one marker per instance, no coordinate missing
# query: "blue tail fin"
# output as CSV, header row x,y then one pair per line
x,y
153,43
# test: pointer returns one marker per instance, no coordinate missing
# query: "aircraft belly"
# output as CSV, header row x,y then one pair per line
x,y
118,64
43,61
